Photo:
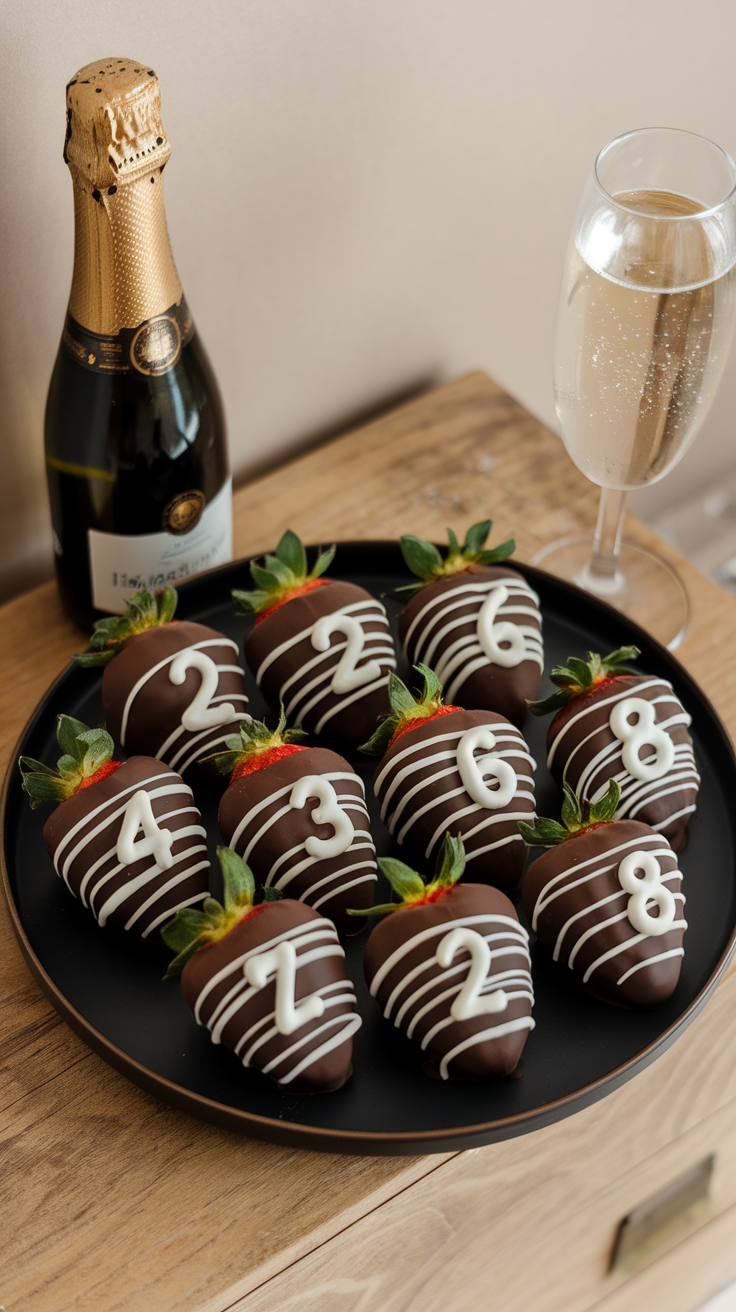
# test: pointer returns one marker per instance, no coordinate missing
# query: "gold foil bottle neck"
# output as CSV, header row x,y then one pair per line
x,y
116,149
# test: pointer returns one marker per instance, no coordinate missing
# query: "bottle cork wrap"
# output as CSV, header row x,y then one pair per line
x,y
116,149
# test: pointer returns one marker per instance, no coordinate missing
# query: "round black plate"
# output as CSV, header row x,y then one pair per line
x,y
107,985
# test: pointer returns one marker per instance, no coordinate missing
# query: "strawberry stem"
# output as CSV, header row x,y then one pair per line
x,y
86,759
410,886
423,558
281,576
578,816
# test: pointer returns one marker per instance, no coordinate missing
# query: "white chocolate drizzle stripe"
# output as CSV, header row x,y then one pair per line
x,y
545,897
497,1032
628,691
271,1015
222,1016
272,1030
324,680
116,899
311,926
171,911
649,961
188,831
399,953
111,853
274,797
352,1027
167,790
516,587
429,962
196,646
302,942
353,697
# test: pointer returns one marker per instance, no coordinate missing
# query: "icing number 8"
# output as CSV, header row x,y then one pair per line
x,y
328,812
469,1002
644,890
346,678
472,770
199,714
281,962
490,634
156,842
643,733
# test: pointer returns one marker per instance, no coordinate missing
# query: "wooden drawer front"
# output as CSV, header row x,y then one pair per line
x,y
529,1225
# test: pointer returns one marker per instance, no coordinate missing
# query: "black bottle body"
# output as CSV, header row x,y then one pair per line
x,y
121,447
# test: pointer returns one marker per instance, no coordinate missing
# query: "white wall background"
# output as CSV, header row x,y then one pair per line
x,y
364,196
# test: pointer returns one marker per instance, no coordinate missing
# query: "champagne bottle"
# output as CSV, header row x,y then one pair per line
x,y
136,455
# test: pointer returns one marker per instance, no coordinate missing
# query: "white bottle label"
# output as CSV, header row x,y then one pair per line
x,y
122,564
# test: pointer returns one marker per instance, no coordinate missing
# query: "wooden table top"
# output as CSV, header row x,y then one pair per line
x,y
108,1198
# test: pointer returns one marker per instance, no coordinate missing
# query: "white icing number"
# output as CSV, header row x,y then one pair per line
x,y
346,678
644,732
156,842
491,634
199,714
645,890
468,1002
328,812
281,962
473,771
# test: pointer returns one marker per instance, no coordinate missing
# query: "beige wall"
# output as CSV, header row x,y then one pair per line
x,y
364,196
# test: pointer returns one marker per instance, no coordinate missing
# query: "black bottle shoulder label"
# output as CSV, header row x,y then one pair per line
x,y
152,348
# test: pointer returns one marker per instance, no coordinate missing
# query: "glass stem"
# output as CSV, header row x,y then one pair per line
x,y
602,571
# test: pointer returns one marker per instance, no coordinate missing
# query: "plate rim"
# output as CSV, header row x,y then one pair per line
x,y
367,1142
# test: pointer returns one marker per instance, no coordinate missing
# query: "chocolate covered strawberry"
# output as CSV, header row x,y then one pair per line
x,y
298,816
445,769
476,623
126,837
319,647
606,898
268,981
450,967
171,689
612,723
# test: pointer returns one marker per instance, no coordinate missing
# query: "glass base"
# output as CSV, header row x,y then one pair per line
x,y
644,587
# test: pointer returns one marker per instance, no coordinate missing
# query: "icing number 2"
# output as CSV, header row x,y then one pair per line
x,y
473,770
469,1002
649,888
199,714
328,812
156,842
281,962
346,678
644,732
490,634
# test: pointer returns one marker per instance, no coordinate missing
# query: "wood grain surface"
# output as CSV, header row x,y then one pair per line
x,y
110,1200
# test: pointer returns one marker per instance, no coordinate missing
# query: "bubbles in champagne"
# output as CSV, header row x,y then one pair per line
x,y
638,359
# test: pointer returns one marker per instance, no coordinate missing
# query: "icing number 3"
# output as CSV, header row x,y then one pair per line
x,y
491,634
328,812
474,770
645,890
281,962
199,714
156,842
469,1002
644,732
346,678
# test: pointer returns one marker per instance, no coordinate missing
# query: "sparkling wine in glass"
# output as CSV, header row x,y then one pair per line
x,y
646,317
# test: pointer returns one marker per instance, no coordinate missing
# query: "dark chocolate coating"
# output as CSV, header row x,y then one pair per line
x,y
363,708
269,922
105,800
436,795
493,1056
649,985
158,706
589,734
491,687
326,884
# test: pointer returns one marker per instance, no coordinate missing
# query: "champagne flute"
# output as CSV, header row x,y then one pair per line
x,y
645,322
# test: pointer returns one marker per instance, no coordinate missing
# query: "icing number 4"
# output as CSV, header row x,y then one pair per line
x,y
281,962
346,678
199,714
490,634
328,812
469,1002
474,770
644,732
645,890
156,842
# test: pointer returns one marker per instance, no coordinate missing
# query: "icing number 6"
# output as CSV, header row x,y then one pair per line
x,y
199,714
328,812
490,634
281,962
645,890
346,678
469,1002
156,842
644,732
473,770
